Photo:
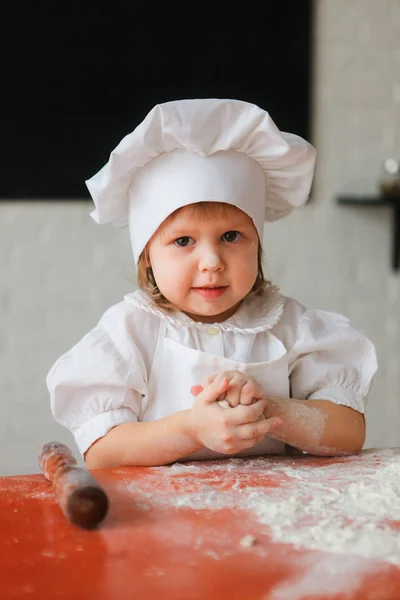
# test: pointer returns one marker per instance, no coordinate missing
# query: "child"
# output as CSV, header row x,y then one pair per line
x,y
195,182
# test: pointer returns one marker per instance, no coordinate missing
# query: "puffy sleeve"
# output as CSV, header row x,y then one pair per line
x,y
331,360
95,386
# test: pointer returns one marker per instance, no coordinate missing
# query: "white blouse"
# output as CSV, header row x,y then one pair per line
x,y
139,362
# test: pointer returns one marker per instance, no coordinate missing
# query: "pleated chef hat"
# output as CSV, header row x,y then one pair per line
x,y
190,151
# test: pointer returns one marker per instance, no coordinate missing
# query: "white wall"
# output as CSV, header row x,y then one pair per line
x,y
59,271
336,257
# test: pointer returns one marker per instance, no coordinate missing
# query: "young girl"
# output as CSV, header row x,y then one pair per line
x,y
207,359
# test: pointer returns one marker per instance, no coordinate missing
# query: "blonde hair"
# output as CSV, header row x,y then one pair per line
x,y
148,284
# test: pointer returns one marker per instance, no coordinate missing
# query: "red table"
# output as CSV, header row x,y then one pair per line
x,y
320,527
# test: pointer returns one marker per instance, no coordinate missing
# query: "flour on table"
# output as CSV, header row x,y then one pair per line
x,y
343,508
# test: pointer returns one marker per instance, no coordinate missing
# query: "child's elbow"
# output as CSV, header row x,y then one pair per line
x,y
349,443
344,437
94,460
99,457
356,438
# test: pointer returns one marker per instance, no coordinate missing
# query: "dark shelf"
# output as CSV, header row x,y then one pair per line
x,y
394,203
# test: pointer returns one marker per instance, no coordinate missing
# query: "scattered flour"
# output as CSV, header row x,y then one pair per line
x,y
345,506
331,574
344,516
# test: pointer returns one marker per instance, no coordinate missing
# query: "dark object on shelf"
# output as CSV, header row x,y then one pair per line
x,y
387,200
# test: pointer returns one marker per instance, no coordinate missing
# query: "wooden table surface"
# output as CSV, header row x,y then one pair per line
x,y
319,527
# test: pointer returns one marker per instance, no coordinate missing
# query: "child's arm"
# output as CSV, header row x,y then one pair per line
x,y
166,440
318,427
144,444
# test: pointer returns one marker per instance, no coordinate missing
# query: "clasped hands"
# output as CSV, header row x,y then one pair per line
x,y
240,423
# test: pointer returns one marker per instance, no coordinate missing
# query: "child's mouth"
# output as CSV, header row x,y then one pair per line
x,y
211,292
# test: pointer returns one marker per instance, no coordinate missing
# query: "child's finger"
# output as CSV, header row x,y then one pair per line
x,y
236,385
245,444
230,375
251,391
195,390
261,428
211,393
209,379
233,395
246,414
247,395
254,440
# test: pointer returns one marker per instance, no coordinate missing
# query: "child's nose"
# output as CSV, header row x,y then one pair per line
x,y
210,261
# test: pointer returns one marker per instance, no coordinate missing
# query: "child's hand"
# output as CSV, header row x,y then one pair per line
x,y
227,431
242,389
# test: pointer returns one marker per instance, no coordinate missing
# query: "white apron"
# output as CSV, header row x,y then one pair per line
x,y
177,368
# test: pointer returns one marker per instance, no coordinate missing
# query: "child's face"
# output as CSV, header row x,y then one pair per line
x,y
192,251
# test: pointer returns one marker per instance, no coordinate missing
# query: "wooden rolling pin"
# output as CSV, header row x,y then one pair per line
x,y
79,495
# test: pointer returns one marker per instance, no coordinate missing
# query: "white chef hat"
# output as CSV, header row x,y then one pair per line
x,y
189,151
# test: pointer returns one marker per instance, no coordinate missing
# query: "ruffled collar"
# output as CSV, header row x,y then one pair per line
x,y
254,315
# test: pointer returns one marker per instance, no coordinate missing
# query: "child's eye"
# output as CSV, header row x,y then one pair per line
x,y
231,236
184,241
